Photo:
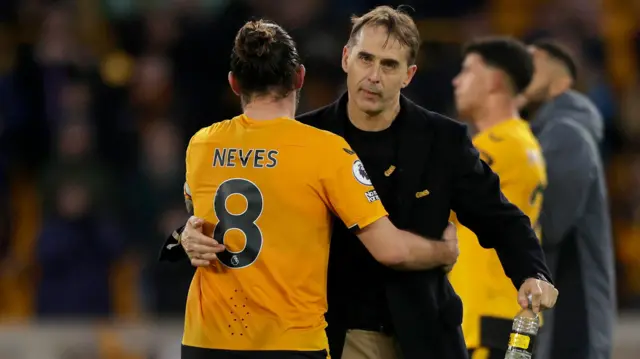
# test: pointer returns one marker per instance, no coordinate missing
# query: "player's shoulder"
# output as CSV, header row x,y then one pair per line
x,y
510,134
210,133
314,136
510,142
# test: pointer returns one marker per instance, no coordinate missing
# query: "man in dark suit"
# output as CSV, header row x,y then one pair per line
x,y
422,165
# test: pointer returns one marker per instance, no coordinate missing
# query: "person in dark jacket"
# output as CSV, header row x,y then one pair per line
x,y
423,165
575,220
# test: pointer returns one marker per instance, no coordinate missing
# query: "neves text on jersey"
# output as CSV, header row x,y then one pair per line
x,y
256,158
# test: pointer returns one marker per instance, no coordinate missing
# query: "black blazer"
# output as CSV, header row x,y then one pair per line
x,y
435,153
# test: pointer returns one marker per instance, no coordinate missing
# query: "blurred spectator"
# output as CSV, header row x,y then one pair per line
x,y
5,219
625,189
157,206
6,94
76,249
151,88
630,115
79,240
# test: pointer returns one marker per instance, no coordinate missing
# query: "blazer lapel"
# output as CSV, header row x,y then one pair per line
x,y
414,144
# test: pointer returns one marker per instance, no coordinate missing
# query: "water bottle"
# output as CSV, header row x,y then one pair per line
x,y
523,334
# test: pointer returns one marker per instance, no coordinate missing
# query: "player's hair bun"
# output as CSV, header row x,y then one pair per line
x,y
264,60
255,40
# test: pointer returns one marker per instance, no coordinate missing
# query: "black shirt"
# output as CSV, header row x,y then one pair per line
x,y
367,307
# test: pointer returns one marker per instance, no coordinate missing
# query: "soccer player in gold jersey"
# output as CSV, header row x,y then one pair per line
x,y
494,72
266,187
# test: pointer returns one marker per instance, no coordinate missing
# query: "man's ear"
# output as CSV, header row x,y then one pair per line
x,y
300,73
346,51
411,71
233,83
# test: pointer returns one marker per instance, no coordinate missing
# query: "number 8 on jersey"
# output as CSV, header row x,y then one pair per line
x,y
244,222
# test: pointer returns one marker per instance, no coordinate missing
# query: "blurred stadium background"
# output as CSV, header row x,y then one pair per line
x,y
99,97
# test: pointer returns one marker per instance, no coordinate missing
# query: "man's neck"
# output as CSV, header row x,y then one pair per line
x,y
495,112
373,123
269,109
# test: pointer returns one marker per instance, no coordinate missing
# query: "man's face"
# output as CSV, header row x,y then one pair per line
x,y
377,68
538,89
471,85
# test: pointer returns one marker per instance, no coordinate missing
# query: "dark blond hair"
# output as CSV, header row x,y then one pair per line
x,y
397,23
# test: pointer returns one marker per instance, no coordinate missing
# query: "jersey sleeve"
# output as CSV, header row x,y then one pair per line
x,y
348,187
186,189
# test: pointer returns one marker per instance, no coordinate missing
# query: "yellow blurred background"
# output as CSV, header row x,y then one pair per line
x,y
98,99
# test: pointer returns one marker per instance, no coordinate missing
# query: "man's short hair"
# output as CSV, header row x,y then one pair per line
x,y
398,24
560,53
506,54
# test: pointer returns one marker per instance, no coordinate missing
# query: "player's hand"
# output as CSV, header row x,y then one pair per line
x,y
543,294
200,248
450,236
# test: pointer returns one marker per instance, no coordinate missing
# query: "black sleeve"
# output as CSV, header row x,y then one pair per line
x,y
171,250
480,205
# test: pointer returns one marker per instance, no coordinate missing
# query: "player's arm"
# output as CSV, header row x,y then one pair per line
x,y
407,251
353,199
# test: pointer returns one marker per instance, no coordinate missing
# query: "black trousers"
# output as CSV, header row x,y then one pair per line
x,y
486,353
202,353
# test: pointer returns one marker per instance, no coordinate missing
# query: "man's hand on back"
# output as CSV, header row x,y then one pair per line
x,y
200,248
450,236
543,294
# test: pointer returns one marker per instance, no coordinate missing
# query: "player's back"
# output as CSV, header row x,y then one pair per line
x,y
514,154
261,182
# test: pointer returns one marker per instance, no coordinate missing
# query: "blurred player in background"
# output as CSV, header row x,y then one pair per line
x,y
576,227
494,72
268,185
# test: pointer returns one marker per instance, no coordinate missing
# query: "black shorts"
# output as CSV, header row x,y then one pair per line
x,y
202,353
487,354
